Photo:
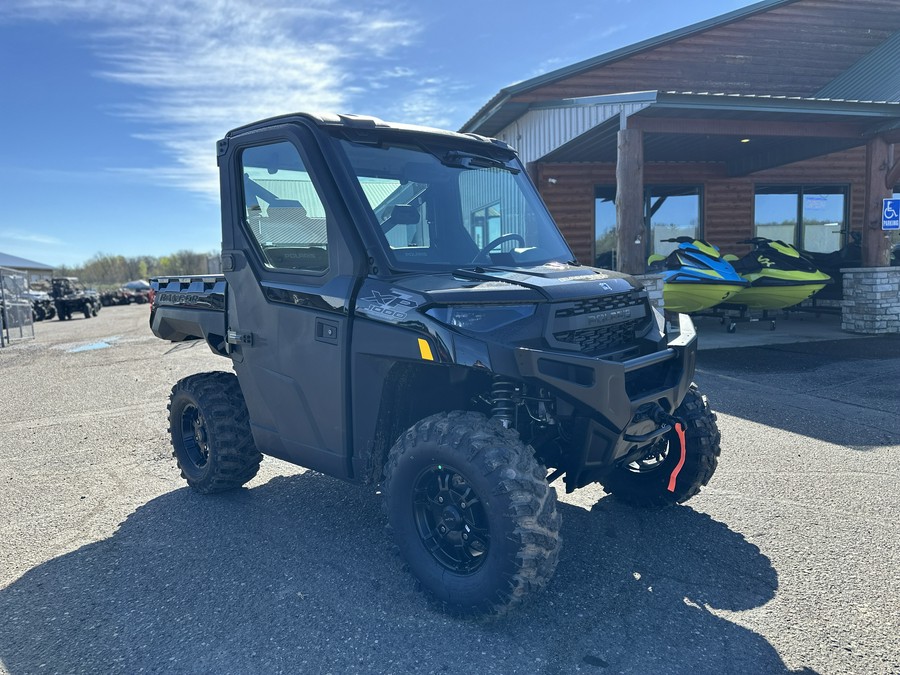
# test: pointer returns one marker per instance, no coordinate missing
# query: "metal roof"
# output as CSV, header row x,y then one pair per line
x,y
17,263
500,113
598,144
875,77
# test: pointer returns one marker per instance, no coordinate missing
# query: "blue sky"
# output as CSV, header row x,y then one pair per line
x,y
111,108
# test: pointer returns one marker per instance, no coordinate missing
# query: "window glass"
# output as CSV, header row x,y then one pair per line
x,y
283,210
674,212
776,216
809,217
438,207
822,216
605,228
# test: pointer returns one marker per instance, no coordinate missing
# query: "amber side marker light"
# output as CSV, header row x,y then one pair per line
x,y
425,350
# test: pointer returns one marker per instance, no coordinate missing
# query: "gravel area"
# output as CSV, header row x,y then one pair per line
x,y
787,562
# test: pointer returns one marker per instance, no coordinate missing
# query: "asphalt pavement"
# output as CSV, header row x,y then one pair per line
x,y
787,562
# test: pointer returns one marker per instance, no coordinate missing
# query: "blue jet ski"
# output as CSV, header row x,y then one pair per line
x,y
695,276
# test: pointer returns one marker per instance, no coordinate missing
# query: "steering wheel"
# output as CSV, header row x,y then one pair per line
x,y
502,239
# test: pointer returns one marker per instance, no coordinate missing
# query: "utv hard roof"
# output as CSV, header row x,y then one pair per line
x,y
362,122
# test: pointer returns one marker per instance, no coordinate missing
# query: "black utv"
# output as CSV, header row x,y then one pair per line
x,y
70,296
401,310
42,304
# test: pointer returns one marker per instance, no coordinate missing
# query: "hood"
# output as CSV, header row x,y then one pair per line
x,y
544,283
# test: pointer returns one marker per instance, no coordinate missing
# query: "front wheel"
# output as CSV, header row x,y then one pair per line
x,y
471,512
647,481
210,429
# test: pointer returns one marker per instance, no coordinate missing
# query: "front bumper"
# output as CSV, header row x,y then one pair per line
x,y
610,395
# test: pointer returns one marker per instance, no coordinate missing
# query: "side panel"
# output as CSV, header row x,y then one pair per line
x,y
292,374
289,252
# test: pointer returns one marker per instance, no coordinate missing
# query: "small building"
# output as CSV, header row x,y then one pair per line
x,y
34,271
774,120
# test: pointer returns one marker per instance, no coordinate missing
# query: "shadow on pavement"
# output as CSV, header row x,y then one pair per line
x,y
294,575
843,392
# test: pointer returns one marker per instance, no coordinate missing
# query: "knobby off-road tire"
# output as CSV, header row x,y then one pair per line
x,y
471,513
646,483
210,431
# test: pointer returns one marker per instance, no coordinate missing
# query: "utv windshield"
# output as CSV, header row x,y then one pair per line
x,y
441,207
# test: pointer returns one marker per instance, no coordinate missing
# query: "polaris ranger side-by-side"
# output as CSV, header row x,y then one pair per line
x,y
400,309
70,296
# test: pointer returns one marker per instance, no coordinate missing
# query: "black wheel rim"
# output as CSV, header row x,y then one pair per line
x,y
656,456
451,519
194,438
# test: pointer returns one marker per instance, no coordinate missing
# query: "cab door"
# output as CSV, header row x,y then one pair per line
x,y
290,278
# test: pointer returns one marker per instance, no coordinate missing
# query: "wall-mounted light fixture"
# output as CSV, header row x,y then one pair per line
x,y
552,181
745,140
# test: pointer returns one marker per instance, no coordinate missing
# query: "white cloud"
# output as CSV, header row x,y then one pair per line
x,y
398,71
201,67
430,102
612,30
30,238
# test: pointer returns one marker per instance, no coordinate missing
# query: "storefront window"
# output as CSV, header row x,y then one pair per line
x,y
810,217
671,211
605,228
674,212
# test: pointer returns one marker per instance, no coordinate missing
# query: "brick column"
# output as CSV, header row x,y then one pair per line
x,y
871,300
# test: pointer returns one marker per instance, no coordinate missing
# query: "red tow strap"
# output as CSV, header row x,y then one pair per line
x,y
679,429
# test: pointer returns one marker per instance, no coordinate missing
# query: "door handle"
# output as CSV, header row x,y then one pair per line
x,y
327,331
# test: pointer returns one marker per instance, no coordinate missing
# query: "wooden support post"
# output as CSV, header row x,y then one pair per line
x,y
893,175
876,245
630,249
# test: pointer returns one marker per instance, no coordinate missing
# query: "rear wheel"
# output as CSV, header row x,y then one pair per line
x,y
646,482
210,429
471,512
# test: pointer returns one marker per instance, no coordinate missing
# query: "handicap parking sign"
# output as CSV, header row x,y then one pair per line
x,y
890,215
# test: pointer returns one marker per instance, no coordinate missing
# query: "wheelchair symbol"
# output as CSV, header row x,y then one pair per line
x,y
889,212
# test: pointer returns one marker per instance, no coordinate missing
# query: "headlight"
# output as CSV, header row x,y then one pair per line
x,y
481,318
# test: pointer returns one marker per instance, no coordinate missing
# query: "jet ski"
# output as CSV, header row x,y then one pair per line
x,y
778,275
695,276
850,255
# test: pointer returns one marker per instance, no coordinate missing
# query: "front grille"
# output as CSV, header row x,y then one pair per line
x,y
602,324
598,340
600,304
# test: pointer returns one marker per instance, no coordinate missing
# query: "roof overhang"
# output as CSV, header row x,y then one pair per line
x,y
501,110
745,133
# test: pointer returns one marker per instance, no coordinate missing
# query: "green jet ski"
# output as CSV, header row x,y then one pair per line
x,y
779,276
695,276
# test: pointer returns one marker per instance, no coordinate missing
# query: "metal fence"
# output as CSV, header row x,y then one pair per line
x,y
16,308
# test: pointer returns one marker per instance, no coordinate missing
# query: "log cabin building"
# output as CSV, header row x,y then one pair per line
x,y
774,120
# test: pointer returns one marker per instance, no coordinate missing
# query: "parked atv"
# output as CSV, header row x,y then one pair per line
x,y
70,296
42,305
417,321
